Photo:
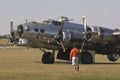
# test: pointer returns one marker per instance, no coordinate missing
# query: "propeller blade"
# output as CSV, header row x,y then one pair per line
x,y
11,26
12,34
85,29
84,23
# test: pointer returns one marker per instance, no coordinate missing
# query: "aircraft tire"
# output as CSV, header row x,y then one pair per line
x,y
86,58
48,58
113,57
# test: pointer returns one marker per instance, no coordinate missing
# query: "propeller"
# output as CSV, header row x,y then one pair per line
x,y
85,29
59,37
11,26
60,33
12,37
87,32
84,23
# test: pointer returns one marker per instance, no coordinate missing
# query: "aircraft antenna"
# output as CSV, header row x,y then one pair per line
x,y
26,20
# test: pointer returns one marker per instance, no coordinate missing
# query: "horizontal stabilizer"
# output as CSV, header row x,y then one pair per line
x,y
116,33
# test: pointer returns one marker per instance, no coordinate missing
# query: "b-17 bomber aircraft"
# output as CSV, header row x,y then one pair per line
x,y
62,35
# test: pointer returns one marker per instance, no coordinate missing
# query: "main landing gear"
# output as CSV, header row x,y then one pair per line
x,y
48,57
85,58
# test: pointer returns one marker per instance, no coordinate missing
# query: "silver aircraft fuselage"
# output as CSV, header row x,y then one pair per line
x,y
45,34
63,36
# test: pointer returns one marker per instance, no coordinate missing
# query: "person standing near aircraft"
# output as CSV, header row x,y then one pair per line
x,y
74,56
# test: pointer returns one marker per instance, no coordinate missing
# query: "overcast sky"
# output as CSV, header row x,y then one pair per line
x,y
104,13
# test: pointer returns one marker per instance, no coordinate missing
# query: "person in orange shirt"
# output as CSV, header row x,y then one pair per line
x,y
74,56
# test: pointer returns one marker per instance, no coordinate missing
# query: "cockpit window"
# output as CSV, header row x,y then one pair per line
x,y
46,22
56,23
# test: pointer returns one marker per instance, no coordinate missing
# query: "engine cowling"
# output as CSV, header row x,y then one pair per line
x,y
101,35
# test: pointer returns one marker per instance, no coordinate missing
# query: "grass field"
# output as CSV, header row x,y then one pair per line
x,y
22,64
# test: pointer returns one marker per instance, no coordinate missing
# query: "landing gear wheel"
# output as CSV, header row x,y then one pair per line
x,y
48,58
113,57
86,58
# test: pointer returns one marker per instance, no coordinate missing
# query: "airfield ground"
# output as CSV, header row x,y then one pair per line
x,y
22,64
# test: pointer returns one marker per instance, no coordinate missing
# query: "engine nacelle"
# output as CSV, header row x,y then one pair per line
x,y
101,35
94,33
